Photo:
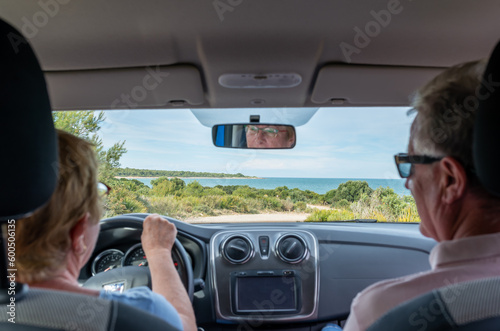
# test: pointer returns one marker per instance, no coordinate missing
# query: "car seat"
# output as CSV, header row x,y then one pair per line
x,y
29,166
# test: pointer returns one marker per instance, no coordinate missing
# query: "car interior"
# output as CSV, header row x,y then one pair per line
x,y
255,62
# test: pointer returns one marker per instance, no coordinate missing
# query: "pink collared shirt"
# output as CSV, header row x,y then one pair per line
x,y
451,261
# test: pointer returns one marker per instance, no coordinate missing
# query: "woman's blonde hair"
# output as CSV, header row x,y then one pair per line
x,y
43,239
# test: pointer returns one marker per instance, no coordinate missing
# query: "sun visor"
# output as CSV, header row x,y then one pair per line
x,y
359,85
290,116
147,87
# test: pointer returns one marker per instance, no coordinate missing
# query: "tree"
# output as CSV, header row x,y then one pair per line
x,y
83,124
86,125
164,186
193,189
350,191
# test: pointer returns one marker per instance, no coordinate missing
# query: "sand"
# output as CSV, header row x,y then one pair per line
x,y
255,218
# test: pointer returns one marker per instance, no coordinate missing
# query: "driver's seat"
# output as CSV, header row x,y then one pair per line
x,y
29,164
473,305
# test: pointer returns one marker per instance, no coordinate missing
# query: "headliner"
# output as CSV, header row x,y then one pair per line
x,y
272,36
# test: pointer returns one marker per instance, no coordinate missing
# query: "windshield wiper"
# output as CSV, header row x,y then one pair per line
x,y
365,220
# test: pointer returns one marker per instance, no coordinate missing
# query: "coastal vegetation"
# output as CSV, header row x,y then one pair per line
x,y
131,172
171,196
382,204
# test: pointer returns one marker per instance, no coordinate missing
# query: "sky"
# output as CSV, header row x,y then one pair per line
x,y
335,143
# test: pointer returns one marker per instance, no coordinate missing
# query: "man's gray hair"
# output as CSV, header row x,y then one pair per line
x,y
446,109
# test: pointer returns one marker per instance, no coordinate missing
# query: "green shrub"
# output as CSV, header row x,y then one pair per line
x,y
326,215
193,189
300,206
133,185
272,203
350,191
214,191
280,192
287,204
246,192
122,201
169,206
164,186
385,205
342,204
234,203
203,209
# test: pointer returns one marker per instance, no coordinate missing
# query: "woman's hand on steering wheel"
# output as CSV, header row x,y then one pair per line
x,y
158,235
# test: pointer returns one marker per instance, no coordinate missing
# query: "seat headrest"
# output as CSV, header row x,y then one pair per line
x,y
486,145
28,145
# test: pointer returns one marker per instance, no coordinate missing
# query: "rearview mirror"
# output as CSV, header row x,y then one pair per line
x,y
254,135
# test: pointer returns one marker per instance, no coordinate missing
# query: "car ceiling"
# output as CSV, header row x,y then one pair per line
x,y
93,51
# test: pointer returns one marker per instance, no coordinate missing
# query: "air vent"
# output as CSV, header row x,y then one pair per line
x,y
291,248
237,249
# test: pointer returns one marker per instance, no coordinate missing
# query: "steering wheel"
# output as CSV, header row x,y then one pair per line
x,y
132,276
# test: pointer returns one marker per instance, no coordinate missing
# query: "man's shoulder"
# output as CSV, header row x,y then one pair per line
x,y
383,286
388,293
375,300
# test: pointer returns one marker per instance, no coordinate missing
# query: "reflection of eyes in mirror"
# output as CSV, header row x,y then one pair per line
x,y
263,136
254,136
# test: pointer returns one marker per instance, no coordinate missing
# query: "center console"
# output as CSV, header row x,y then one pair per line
x,y
268,275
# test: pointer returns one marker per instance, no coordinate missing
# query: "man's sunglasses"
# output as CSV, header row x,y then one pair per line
x,y
405,162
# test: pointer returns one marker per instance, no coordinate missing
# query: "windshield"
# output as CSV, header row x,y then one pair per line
x,y
163,161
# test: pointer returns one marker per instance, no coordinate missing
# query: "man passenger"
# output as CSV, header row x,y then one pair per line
x,y
454,208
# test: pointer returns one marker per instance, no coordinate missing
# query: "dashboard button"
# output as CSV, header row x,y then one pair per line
x,y
264,245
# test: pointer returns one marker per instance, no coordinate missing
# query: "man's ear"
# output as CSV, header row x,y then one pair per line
x,y
453,180
77,233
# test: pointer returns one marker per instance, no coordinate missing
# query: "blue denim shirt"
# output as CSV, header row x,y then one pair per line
x,y
145,299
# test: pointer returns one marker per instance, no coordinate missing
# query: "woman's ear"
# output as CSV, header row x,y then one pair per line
x,y
77,234
453,180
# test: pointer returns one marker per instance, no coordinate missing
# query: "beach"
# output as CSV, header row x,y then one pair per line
x,y
255,218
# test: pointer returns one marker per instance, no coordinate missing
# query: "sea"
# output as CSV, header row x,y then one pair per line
x,y
318,185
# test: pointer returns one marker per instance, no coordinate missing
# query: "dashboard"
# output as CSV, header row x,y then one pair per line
x,y
273,276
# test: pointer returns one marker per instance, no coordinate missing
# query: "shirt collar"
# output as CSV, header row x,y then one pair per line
x,y
465,249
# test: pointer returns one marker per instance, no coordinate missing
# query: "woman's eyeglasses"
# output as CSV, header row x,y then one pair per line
x,y
254,130
103,189
405,162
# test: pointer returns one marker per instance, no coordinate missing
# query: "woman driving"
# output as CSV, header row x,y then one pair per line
x,y
51,253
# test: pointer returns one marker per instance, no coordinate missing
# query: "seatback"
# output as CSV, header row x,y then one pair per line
x,y
28,141
487,127
30,167
28,144
57,310
467,306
